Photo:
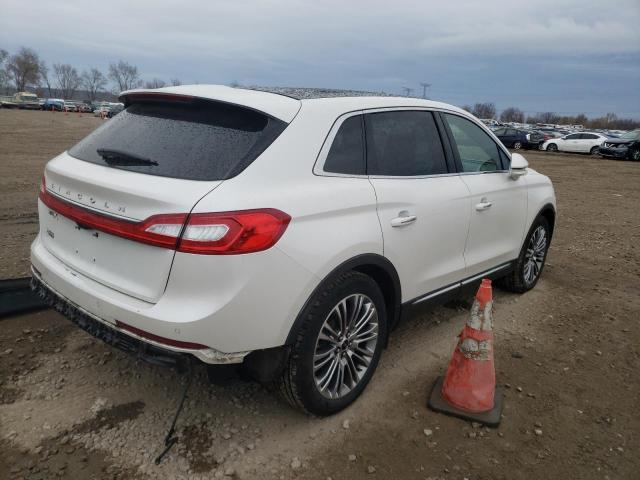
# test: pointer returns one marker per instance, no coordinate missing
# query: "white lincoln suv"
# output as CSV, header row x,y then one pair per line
x,y
282,232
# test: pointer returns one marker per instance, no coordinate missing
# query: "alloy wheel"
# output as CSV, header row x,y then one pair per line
x,y
534,256
517,145
636,155
345,346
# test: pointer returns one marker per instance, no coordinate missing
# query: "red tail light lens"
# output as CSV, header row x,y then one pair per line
x,y
231,233
225,233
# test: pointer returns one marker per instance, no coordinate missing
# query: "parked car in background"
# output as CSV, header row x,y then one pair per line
x,y
84,107
115,109
583,142
547,135
101,111
21,100
56,104
517,138
70,106
268,232
626,145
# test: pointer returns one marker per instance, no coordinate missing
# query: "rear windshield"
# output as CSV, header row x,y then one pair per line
x,y
194,140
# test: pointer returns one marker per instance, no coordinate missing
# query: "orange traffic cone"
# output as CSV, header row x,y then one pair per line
x,y
468,389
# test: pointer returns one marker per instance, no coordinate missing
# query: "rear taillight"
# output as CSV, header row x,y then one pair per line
x,y
230,233
225,233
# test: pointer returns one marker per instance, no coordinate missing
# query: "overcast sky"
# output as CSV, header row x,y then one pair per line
x,y
544,55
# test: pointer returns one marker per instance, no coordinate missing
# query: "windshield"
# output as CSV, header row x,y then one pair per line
x,y
196,140
635,135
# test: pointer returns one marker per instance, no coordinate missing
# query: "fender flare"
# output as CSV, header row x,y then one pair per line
x,y
548,211
365,263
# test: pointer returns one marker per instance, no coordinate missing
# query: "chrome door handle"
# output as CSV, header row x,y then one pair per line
x,y
403,220
483,205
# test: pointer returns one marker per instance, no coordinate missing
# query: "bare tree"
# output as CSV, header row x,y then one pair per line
x,y
512,114
44,76
93,81
175,82
4,76
484,110
467,108
67,79
124,75
547,117
155,83
24,68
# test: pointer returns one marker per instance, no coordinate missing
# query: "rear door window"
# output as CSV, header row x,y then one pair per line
x,y
404,144
195,140
475,148
346,155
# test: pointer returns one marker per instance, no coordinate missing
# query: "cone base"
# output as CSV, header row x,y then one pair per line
x,y
490,418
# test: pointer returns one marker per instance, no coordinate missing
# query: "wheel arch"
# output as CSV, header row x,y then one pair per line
x,y
380,269
548,212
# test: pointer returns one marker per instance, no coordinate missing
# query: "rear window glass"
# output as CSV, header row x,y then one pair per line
x,y
347,150
195,140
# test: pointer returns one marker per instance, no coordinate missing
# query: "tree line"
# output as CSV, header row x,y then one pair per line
x,y
513,114
25,69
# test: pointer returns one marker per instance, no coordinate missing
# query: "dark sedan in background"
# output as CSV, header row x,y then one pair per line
x,y
625,146
517,139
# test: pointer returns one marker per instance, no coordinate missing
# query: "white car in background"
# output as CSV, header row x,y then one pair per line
x,y
583,142
266,230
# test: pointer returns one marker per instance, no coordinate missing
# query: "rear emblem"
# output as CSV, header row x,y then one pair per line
x,y
50,233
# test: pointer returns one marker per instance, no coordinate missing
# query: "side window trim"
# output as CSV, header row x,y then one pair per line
x,y
318,166
443,129
458,162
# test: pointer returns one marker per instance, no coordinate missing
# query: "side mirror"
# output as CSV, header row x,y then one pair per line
x,y
518,166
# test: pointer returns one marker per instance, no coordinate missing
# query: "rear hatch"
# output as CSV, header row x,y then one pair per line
x,y
159,156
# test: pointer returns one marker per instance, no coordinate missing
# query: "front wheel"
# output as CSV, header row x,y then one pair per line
x,y
594,150
517,145
338,345
635,155
530,262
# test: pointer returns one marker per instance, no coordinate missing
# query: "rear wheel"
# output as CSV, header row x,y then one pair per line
x,y
552,147
517,145
530,262
594,150
338,346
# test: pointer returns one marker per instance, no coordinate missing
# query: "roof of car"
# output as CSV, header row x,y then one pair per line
x,y
285,102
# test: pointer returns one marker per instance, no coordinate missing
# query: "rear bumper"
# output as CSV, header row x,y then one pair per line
x,y
232,306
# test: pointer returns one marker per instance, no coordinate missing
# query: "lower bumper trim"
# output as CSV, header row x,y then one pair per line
x,y
141,350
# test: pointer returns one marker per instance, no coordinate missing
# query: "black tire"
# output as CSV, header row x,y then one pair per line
x,y
594,150
635,155
516,281
297,384
552,147
517,145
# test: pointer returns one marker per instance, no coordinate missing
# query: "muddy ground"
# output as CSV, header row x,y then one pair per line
x,y
567,354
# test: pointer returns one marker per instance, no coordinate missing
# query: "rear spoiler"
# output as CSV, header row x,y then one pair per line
x,y
274,105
